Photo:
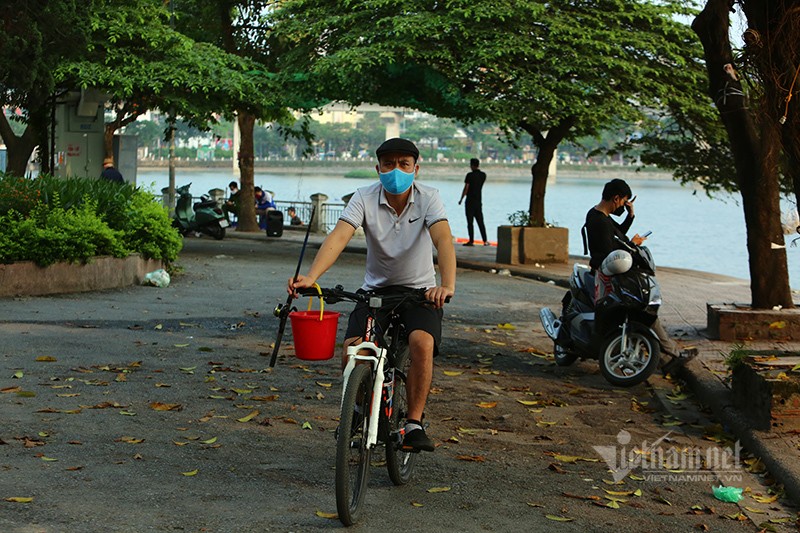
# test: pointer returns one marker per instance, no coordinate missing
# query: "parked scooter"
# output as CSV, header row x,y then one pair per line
x,y
204,216
610,318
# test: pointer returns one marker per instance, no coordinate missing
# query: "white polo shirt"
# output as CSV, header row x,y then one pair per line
x,y
399,246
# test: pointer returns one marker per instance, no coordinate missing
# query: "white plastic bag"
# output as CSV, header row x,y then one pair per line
x,y
156,278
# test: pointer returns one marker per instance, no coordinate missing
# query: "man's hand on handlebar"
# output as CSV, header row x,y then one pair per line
x,y
302,282
439,295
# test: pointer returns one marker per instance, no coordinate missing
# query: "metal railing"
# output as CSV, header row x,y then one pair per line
x,y
328,217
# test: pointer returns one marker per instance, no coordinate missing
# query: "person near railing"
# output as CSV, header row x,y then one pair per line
x,y
294,220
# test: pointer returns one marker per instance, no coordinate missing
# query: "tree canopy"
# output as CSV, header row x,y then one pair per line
x,y
128,49
556,70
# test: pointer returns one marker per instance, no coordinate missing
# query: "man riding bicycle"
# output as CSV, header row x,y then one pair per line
x,y
402,221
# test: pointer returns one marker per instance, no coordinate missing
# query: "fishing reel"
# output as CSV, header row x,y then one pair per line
x,y
282,310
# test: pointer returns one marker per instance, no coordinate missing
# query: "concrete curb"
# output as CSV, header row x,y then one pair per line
x,y
710,392
485,267
26,278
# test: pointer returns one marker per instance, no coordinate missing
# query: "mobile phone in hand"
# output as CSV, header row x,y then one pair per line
x,y
646,235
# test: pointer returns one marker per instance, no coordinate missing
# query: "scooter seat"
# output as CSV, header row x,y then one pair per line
x,y
205,204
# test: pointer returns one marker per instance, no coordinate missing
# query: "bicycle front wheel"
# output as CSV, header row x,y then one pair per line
x,y
352,453
399,463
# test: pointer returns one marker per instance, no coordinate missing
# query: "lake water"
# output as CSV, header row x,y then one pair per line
x,y
689,230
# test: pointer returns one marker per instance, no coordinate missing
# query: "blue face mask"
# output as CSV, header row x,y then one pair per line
x,y
396,181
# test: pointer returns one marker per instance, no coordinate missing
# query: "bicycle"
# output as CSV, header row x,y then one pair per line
x,y
372,423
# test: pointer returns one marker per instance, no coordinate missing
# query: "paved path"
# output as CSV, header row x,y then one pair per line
x,y
685,293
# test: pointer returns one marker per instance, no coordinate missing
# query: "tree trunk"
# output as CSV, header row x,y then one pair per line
x,y
541,167
247,210
125,115
18,149
755,161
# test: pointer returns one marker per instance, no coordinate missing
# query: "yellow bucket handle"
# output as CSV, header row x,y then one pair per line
x,y
321,302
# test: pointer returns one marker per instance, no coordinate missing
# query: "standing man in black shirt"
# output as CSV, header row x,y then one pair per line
x,y
473,184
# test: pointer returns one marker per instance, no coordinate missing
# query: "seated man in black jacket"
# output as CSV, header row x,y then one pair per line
x,y
599,234
600,229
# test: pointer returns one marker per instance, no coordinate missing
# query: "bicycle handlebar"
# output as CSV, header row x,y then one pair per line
x,y
338,294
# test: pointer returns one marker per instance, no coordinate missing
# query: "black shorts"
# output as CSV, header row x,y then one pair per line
x,y
413,317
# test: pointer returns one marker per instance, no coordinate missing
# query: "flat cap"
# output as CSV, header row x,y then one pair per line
x,y
398,145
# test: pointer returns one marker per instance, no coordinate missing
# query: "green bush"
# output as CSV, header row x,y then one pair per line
x,y
50,219
148,229
52,234
18,194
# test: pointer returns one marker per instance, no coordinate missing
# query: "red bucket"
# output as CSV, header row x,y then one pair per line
x,y
314,334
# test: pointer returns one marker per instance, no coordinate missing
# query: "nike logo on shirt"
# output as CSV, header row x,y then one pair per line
x,y
412,220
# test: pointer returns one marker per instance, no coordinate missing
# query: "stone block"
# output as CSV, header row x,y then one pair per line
x,y
508,245
528,245
767,391
737,322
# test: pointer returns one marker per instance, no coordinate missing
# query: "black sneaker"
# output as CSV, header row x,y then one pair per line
x,y
468,244
416,440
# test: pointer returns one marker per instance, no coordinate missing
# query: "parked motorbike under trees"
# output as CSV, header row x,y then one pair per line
x,y
608,317
204,216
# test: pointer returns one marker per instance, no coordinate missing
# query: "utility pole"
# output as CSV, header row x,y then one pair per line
x,y
171,132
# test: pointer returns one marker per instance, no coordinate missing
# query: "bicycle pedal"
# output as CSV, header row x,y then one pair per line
x,y
409,449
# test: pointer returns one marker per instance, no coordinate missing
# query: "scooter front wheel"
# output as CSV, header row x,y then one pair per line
x,y
634,364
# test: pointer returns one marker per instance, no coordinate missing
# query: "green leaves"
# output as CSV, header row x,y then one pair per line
x,y
79,218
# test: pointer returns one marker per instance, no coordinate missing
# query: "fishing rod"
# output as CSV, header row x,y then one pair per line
x,y
282,311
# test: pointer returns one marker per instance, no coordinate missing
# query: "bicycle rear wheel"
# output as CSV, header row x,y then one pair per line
x,y
399,463
352,454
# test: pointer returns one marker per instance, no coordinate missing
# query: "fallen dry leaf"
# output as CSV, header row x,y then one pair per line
x,y
191,472
765,499
434,490
473,458
158,406
270,398
557,518
249,417
19,499
487,405
129,440
571,459
579,497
